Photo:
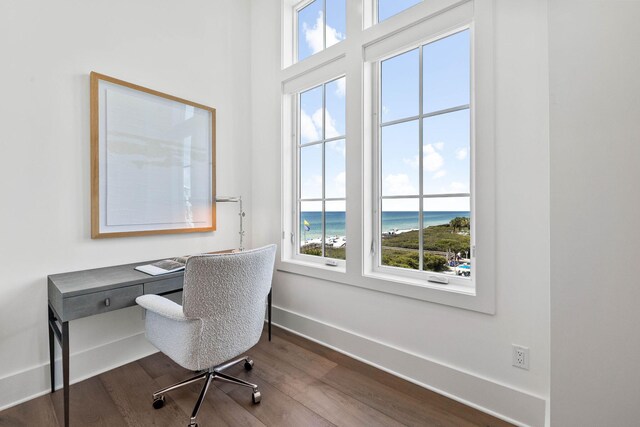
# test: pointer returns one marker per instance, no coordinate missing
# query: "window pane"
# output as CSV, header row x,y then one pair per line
x,y
311,115
311,228
399,159
310,30
400,240
447,153
311,172
336,21
447,235
447,72
335,224
387,8
334,163
400,86
336,105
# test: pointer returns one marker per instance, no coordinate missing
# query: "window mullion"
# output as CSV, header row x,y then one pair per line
x,y
297,209
324,149
421,165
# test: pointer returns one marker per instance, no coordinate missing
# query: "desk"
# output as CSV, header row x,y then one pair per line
x,y
86,293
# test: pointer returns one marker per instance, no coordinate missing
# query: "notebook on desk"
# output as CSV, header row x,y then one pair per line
x,y
163,267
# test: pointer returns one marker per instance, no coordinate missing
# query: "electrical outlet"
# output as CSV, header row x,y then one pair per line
x,y
520,357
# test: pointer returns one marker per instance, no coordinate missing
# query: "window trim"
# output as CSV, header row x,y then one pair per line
x,y
354,57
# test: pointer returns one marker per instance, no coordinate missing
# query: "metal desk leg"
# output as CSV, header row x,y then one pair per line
x,y
52,367
269,298
65,370
63,339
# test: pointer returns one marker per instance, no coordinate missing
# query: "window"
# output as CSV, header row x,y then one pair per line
x,y
321,170
388,8
320,24
419,208
424,158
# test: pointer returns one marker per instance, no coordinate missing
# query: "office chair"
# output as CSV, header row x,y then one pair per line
x,y
221,317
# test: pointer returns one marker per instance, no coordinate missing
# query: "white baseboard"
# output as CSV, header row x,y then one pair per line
x,y
515,406
33,382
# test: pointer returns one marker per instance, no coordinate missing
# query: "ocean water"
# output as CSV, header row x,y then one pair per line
x,y
335,221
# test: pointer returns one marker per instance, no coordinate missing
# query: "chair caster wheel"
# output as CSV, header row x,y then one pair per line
x,y
248,365
158,402
256,397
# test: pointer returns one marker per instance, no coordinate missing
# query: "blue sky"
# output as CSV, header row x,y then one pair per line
x,y
311,29
388,8
446,137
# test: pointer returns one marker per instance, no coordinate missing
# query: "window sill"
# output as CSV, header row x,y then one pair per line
x,y
454,295
423,283
304,267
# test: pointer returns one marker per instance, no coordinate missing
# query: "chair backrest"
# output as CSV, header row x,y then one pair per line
x,y
228,293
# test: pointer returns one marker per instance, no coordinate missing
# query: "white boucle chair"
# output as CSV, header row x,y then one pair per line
x,y
221,317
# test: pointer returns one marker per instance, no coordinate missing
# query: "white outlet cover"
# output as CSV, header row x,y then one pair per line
x,y
520,357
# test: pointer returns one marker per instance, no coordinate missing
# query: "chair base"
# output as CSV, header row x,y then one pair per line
x,y
212,374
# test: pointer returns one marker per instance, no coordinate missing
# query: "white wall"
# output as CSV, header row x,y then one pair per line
x,y
445,342
595,206
198,50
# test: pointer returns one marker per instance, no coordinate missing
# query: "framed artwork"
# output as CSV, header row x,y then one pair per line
x,y
153,163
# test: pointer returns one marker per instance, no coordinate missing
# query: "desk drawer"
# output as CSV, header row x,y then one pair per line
x,y
100,302
164,285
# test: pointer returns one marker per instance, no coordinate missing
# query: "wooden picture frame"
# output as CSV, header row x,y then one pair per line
x,y
153,168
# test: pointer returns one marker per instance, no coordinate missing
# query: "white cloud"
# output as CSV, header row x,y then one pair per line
x,y
309,130
311,126
433,161
312,187
461,153
336,185
333,36
341,87
458,187
330,131
412,162
338,146
314,37
317,120
439,174
340,182
397,185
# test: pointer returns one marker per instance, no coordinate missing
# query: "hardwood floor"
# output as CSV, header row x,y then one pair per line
x,y
302,384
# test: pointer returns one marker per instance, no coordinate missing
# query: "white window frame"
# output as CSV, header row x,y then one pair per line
x,y
356,57
323,259
460,283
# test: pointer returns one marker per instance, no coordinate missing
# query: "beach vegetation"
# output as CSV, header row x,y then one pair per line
x,y
329,252
437,238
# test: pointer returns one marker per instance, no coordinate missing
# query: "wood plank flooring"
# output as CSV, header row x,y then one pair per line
x,y
302,384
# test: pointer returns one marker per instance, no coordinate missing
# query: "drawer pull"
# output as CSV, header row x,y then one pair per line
x,y
107,302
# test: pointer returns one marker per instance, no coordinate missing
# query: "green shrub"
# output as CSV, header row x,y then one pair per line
x,y
329,252
433,262
439,238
